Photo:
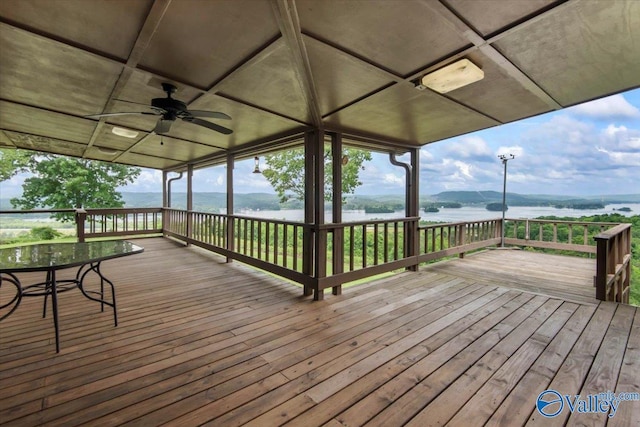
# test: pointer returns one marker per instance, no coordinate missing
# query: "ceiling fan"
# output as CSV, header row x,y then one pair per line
x,y
171,109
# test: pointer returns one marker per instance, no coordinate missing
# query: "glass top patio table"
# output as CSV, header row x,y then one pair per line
x,y
57,256
51,257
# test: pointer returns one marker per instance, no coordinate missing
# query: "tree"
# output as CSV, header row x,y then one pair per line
x,y
63,182
13,161
286,172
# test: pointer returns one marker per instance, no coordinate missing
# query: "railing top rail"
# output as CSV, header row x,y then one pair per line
x,y
331,225
564,221
15,212
612,232
110,210
273,221
452,224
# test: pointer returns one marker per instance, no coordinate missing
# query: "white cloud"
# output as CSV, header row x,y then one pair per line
x,y
464,168
621,158
612,107
390,178
516,150
469,147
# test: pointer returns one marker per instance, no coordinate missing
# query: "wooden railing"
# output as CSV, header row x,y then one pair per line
x,y
441,240
554,234
356,250
271,245
328,255
613,264
114,222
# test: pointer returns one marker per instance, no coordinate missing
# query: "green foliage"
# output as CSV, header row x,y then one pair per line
x,y
64,183
286,172
496,207
44,233
13,162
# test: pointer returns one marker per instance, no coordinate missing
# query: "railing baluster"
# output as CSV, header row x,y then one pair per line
x,y
364,246
375,244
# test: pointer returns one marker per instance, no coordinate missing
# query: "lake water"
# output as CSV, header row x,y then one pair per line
x,y
465,213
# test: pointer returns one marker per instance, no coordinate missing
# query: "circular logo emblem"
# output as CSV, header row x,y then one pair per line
x,y
549,403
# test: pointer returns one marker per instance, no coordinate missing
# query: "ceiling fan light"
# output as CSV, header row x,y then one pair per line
x,y
127,133
454,76
108,151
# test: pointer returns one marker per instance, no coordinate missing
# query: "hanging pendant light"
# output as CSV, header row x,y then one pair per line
x,y
256,169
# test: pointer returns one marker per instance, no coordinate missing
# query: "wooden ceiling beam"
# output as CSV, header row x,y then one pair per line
x,y
287,18
149,28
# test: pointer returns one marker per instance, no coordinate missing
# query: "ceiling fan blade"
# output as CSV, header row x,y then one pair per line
x,y
163,126
97,116
212,114
208,125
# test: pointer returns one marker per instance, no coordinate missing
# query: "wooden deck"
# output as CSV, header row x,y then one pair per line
x,y
465,342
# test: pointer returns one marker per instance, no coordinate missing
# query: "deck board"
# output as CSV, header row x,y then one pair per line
x,y
201,341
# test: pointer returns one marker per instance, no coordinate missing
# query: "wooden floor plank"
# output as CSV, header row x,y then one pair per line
x,y
573,371
467,371
628,412
201,341
517,408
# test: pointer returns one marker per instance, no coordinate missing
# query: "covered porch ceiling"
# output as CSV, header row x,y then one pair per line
x,y
280,67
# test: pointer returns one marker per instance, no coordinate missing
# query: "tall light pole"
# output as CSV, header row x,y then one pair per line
x,y
505,158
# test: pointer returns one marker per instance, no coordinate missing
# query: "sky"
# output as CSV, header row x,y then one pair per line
x,y
586,150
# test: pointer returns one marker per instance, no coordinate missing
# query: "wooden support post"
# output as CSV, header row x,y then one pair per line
x,y
189,202
230,220
81,217
320,241
307,233
338,233
165,201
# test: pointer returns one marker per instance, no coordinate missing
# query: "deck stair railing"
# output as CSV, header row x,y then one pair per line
x,y
613,264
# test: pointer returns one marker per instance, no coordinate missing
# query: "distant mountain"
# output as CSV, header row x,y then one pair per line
x,y
204,202
217,201
484,197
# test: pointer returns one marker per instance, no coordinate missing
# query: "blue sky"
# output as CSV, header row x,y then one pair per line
x,y
589,149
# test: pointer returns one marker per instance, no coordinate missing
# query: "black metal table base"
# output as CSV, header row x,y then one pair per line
x,y
52,287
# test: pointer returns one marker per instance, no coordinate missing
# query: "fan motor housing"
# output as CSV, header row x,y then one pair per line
x,y
169,104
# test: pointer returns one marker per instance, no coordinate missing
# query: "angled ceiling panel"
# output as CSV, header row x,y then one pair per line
x,y
416,116
21,118
198,42
45,144
340,79
69,20
490,16
577,54
51,75
146,161
171,148
270,83
401,36
498,94
248,123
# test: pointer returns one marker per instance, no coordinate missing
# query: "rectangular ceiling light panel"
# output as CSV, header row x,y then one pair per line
x,y
453,76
